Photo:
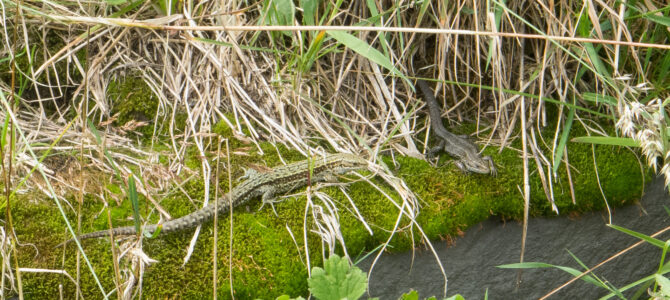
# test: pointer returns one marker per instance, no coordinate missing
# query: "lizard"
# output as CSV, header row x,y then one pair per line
x,y
266,185
467,155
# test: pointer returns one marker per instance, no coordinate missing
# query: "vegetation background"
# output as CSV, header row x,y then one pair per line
x,y
104,101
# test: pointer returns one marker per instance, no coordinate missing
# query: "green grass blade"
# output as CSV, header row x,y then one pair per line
x,y
497,16
108,156
132,196
598,98
367,51
244,47
5,126
630,285
537,265
312,53
607,140
585,29
661,20
644,237
599,283
564,139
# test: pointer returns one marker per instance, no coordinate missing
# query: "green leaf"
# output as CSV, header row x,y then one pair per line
x,y
412,295
584,29
607,140
285,11
497,17
564,139
95,131
664,283
456,297
536,265
132,196
526,265
5,126
155,233
337,280
279,12
597,98
166,7
314,48
115,2
362,48
309,11
644,237
663,20
108,156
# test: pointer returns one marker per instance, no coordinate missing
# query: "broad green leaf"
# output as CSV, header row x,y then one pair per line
x,y
309,11
285,11
337,280
664,283
412,295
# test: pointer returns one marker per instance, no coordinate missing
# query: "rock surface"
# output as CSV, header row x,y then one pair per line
x,y
471,261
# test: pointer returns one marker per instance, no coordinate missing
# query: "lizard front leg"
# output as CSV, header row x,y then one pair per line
x,y
492,166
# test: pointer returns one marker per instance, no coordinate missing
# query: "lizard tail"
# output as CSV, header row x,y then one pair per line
x,y
128,230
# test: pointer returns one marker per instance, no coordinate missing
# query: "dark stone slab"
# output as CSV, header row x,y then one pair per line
x,y
471,260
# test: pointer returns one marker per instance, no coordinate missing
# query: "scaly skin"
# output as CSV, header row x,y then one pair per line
x,y
279,180
466,153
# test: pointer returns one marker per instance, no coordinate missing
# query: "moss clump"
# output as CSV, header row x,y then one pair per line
x,y
268,250
134,101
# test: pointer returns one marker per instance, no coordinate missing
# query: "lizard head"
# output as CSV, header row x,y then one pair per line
x,y
479,165
345,162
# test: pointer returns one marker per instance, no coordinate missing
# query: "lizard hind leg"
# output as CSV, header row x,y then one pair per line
x,y
492,166
436,150
270,198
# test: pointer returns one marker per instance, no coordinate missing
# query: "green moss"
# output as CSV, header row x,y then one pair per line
x,y
268,261
134,101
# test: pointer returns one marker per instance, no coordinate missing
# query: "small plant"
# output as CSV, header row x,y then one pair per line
x,y
337,280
